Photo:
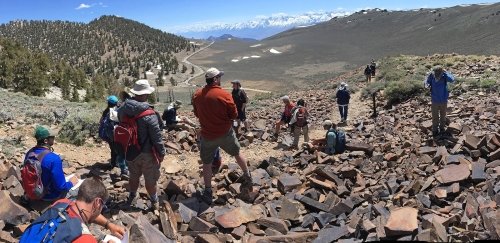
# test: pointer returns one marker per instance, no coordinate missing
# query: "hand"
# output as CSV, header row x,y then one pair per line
x,y
116,230
73,180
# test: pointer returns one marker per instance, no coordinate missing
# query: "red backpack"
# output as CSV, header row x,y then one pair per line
x,y
125,135
31,175
301,117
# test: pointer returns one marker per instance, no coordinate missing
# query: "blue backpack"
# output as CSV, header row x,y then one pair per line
x,y
106,128
54,225
341,142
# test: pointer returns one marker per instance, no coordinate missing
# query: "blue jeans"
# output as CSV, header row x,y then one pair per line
x,y
343,111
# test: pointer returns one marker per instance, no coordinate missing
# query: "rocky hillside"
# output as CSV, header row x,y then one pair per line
x,y
394,182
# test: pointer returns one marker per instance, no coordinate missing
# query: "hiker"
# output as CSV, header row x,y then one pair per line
x,y
299,123
373,66
286,115
368,73
146,158
437,82
331,137
53,182
343,98
172,121
109,119
216,110
68,221
240,99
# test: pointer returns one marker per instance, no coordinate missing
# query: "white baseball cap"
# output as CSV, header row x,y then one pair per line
x,y
213,72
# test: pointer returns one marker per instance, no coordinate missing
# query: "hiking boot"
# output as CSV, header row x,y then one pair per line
x,y
130,200
435,133
25,202
206,195
216,166
246,181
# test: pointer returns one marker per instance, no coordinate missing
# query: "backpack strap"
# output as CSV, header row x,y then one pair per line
x,y
147,112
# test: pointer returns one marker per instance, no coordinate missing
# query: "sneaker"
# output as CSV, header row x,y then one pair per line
x,y
155,205
125,174
206,195
216,166
25,202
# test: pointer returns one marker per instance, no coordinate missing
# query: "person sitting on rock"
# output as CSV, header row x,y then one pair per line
x,y
286,115
343,98
299,123
328,143
172,121
53,180
437,82
68,221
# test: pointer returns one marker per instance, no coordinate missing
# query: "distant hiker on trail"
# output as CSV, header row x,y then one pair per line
x,y
109,119
172,121
343,98
216,110
286,116
240,99
68,221
53,182
437,82
368,73
148,153
299,123
373,66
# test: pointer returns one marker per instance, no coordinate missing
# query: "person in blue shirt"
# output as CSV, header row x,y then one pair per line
x,y
53,179
437,82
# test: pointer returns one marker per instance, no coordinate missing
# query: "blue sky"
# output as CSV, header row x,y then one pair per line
x,y
168,14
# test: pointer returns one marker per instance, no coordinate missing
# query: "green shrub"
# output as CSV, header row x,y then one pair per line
x,y
79,126
403,90
372,88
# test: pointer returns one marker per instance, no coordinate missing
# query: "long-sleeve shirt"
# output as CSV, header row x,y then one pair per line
x,y
53,179
215,109
439,88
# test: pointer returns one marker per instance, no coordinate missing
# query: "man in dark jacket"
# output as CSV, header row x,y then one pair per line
x,y
149,137
240,99
343,98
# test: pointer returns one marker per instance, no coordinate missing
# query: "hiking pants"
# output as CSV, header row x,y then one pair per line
x,y
114,153
343,111
116,159
438,116
296,134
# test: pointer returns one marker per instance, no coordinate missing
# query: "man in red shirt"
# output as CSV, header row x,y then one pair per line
x,y
216,111
78,214
286,116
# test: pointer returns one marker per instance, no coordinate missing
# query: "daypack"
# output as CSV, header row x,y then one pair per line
x,y
106,128
341,142
125,136
301,117
31,175
54,225
331,140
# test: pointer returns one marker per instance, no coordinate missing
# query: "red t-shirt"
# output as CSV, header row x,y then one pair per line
x,y
86,236
288,109
215,109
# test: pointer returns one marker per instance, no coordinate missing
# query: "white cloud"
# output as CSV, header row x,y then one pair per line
x,y
82,6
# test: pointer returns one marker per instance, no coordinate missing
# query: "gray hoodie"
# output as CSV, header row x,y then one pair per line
x,y
148,127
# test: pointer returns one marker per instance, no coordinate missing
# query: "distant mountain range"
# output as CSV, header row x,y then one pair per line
x,y
259,28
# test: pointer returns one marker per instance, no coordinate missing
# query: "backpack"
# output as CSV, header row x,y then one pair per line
x,y
125,136
31,175
341,142
54,225
106,127
301,117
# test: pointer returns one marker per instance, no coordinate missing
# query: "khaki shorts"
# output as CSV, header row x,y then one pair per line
x,y
228,143
145,163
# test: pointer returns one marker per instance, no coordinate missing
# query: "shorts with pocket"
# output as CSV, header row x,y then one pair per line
x,y
228,143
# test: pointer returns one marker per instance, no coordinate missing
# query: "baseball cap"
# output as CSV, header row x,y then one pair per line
x,y
213,72
112,100
327,123
236,81
42,132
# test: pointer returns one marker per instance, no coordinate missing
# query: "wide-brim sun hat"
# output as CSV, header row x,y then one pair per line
x,y
142,87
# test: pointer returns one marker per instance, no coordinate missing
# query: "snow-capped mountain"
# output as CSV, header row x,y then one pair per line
x,y
258,28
